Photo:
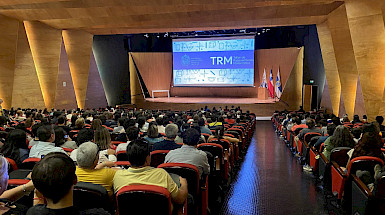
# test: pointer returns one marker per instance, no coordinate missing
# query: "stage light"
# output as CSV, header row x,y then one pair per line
x,y
259,33
166,34
146,35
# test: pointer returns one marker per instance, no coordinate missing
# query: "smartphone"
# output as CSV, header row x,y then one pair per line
x,y
66,136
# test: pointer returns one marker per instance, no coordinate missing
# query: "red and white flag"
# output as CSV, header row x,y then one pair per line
x,y
270,85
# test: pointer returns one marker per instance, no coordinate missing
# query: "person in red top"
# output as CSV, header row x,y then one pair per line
x,y
297,124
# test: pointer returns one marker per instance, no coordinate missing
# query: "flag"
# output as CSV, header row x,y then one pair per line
x,y
263,83
278,86
270,86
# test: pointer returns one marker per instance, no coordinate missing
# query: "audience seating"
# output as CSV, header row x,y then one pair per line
x,y
157,157
217,151
135,199
122,156
88,195
191,174
29,163
338,158
12,165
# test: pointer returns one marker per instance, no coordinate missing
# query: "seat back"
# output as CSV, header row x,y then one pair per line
x,y
29,163
364,163
122,156
223,142
187,171
135,199
157,157
309,135
12,165
89,195
217,152
340,156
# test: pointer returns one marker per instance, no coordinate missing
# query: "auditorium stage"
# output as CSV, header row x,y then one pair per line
x,y
213,100
261,108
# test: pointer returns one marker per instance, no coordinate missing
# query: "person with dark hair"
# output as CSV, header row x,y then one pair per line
x,y
356,132
96,123
152,134
380,120
169,142
356,119
61,123
35,139
142,124
330,131
120,128
341,138
62,139
15,146
103,141
84,135
73,120
310,128
202,125
219,134
189,153
46,143
54,178
140,172
159,121
132,133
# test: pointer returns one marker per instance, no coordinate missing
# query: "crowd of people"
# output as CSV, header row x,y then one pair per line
x,y
83,145
329,133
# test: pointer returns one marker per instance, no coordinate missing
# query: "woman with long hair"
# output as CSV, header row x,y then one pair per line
x,y
103,140
219,134
341,138
96,123
152,134
15,146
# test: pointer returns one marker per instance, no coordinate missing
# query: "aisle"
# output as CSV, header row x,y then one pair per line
x,y
271,180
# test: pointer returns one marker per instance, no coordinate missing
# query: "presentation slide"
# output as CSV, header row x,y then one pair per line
x,y
218,62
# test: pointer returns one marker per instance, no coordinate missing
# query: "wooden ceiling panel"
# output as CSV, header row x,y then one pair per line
x,y
125,16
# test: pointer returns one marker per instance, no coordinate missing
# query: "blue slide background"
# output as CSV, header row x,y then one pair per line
x,y
221,62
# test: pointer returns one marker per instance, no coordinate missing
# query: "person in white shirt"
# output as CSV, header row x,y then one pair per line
x,y
46,143
103,140
132,133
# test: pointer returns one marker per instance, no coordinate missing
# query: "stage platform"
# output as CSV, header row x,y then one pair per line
x,y
262,108
208,100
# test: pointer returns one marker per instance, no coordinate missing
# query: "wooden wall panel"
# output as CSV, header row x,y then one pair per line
x,y
27,93
346,62
293,93
368,36
157,74
78,45
95,96
342,110
330,65
307,96
359,107
65,95
8,46
135,88
45,43
326,102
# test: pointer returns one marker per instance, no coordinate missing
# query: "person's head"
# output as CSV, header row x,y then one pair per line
x,y
121,121
87,155
61,120
102,138
132,133
80,122
219,132
380,119
59,136
191,137
171,131
371,128
336,121
138,152
371,139
330,129
46,133
18,138
342,136
84,135
152,131
201,122
3,174
310,123
54,176
28,122
141,121
73,120
356,118
356,132
96,123
297,121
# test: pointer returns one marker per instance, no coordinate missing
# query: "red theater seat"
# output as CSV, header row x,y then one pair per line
x,y
157,157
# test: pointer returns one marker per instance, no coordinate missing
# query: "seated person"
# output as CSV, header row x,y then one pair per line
x,y
54,178
310,123
103,141
9,197
330,130
84,135
15,146
61,123
46,143
140,172
189,153
152,134
203,127
341,138
169,142
132,133
219,132
88,169
63,140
